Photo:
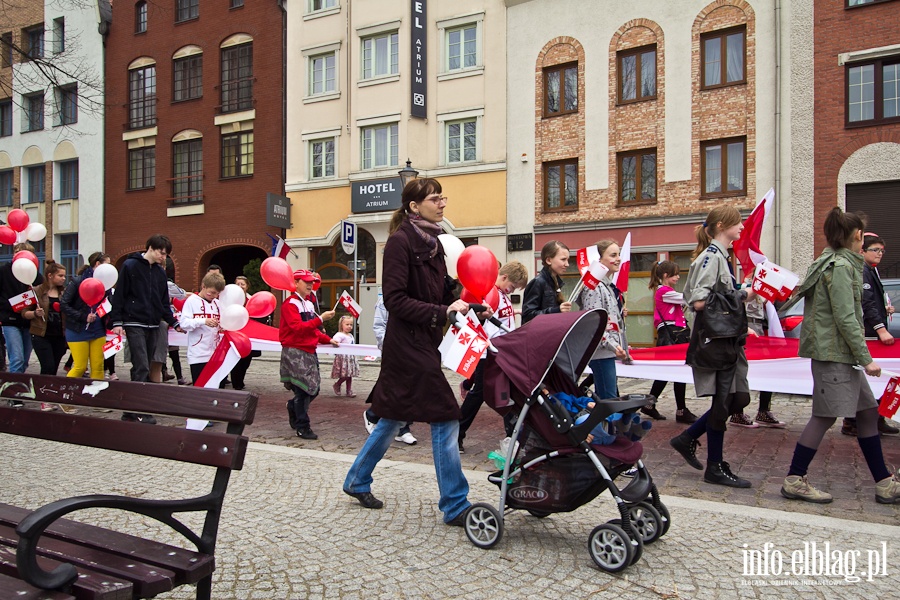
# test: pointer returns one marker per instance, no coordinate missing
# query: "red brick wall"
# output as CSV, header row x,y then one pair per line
x,y
235,209
839,30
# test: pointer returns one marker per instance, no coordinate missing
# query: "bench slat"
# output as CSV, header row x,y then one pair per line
x,y
90,585
11,587
211,448
189,566
178,401
148,580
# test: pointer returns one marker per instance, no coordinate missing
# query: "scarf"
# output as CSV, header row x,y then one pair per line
x,y
427,230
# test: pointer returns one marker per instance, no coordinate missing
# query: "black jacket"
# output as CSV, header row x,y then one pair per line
x,y
540,295
142,295
9,287
73,307
874,309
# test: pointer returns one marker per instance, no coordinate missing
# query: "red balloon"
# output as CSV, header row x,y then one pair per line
x,y
29,255
18,219
477,269
56,306
241,342
492,299
7,235
91,291
277,273
261,304
178,303
467,296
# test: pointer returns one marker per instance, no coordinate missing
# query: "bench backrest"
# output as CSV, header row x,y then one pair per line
x,y
212,447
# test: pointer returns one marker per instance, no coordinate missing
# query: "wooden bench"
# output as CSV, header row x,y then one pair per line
x,y
43,556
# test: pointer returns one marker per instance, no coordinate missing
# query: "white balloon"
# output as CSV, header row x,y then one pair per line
x,y
453,247
107,275
35,232
231,295
24,270
21,237
232,317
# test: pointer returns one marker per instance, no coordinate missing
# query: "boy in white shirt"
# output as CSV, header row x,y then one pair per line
x,y
200,319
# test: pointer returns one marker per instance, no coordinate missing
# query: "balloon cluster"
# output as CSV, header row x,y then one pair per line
x,y
93,289
19,229
234,314
476,268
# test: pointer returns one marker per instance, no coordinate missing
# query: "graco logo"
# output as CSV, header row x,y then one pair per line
x,y
528,493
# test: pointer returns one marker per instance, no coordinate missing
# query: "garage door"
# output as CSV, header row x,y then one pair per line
x,y
881,202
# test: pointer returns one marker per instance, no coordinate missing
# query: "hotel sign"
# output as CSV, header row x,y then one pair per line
x,y
419,54
375,195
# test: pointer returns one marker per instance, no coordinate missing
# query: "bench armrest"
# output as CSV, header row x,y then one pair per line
x,y
32,527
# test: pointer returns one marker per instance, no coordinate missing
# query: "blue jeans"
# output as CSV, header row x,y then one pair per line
x,y
18,346
452,483
604,370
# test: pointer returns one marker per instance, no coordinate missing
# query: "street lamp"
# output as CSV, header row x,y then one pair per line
x,y
407,174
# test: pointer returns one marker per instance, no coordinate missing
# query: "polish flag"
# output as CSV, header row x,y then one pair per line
x,y
620,278
594,274
347,301
747,249
112,346
585,257
462,348
231,348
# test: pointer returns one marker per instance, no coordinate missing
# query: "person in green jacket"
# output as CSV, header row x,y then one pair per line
x,y
833,338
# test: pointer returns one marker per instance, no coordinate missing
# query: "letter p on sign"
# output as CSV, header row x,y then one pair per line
x,y
348,236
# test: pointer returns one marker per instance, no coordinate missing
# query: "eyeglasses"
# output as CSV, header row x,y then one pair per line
x,y
875,250
437,199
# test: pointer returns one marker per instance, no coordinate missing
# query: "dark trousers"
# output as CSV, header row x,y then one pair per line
x,y
142,343
196,369
49,351
299,405
239,371
472,403
176,363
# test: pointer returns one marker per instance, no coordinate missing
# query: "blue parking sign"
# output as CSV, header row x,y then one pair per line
x,y
348,236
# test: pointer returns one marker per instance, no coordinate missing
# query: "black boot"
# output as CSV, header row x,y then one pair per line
x,y
883,427
291,419
687,447
720,474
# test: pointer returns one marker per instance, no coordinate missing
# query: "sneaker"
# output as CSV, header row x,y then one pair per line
x,y
307,434
406,438
337,389
767,419
350,394
650,411
720,474
685,416
182,381
459,520
370,426
148,419
887,491
884,427
461,449
687,448
366,499
112,377
15,403
848,427
799,488
742,420
168,376
47,407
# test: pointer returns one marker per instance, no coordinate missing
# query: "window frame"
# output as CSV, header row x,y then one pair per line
x,y
723,34
848,6
476,25
68,254
545,167
141,17
639,200
638,53
235,4
28,123
240,84
9,190
147,168
878,65
723,142
189,8
560,68
312,157
29,53
59,35
6,120
476,121
194,179
311,6
311,71
192,79
241,157
8,56
30,178
68,182
393,128
393,37
142,111
66,105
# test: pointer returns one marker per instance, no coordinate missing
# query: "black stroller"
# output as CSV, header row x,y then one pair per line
x,y
553,468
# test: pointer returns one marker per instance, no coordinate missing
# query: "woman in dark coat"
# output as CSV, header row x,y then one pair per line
x,y
411,386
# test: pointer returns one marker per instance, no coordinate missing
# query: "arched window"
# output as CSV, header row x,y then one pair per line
x,y
140,17
333,264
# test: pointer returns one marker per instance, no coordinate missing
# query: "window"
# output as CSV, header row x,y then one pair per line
x,y
722,167
379,146
188,78
637,74
237,155
142,97
140,17
236,3
5,117
723,60
6,47
68,253
560,90
185,10
637,176
33,38
237,78
322,75
66,105
462,47
6,188
561,185
317,5
380,55
187,183
321,153
59,35
68,179
35,178
852,3
462,141
142,168
873,92
34,112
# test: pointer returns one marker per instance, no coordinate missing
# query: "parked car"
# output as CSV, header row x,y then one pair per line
x,y
792,318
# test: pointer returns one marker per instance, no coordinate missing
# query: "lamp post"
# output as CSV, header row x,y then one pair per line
x,y
407,173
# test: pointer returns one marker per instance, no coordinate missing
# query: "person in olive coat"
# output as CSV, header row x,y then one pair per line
x,y
411,386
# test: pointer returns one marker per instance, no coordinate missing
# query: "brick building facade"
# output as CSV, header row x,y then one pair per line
x,y
194,130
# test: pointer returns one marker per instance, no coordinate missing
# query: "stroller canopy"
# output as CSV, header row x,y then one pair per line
x,y
525,355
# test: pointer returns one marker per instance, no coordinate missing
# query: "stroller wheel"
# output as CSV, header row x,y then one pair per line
x,y
666,519
538,514
484,525
638,548
646,521
610,548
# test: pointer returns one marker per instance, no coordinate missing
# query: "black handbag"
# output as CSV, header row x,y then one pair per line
x,y
724,315
670,335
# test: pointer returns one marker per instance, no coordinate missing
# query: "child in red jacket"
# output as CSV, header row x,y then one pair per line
x,y
299,335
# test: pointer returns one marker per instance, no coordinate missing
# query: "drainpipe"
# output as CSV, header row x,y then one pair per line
x,y
778,130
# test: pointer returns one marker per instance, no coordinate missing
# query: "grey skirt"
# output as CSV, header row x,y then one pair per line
x,y
705,379
300,368
839,390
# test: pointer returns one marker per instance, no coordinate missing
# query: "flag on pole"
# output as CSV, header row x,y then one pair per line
x,y
112,346
347,301
280,247
586,256
747,249
620,278
462,348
